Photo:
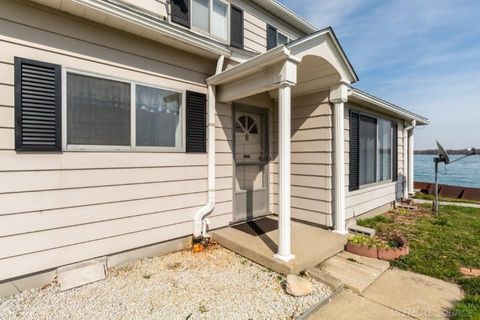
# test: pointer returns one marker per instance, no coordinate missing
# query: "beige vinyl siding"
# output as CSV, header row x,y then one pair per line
x,y
373,196
401,167
60,208
255,21
311,168
255,26
255,33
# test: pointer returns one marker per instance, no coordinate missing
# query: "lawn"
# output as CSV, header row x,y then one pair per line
x,y
439,246
431,197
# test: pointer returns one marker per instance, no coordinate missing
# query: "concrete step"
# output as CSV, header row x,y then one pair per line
x,y
324,277
356,272
371,262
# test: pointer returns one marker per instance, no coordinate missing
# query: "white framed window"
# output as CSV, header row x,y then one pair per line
x,y
219,20
105,113
211,17
158,117
384,150
375,149
200,15
98,111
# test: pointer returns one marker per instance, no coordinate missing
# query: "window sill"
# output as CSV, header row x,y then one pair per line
x,y
206,34
80,148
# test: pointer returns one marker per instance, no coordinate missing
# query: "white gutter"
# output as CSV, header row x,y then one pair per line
x,y
198,219
414,124
281,11
156,24
387,106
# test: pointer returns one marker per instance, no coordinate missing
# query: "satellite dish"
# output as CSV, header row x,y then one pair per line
x,y
442,153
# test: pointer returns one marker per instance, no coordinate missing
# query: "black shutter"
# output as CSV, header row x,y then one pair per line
x,y
196,118
236,27
354,172
181,12
271,37
395,152
38,106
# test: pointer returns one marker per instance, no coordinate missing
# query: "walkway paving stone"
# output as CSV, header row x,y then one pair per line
x,y
417,295
350,306
396,294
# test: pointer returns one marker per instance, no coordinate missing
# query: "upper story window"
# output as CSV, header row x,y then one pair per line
x,y
275,38
215,18
210,16
281,39
372,145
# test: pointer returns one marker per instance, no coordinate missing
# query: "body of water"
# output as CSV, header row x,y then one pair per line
x,y
464,173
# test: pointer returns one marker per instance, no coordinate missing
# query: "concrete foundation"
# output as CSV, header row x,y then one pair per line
x,y
38,280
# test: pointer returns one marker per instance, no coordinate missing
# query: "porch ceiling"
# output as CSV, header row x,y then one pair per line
x,y
312,63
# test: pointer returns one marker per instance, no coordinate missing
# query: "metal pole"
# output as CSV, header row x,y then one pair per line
x,y
435,202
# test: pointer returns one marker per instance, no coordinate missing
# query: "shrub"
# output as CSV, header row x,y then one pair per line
x,y
367,241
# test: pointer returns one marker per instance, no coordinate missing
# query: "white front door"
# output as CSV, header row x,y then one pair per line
x,y
250,164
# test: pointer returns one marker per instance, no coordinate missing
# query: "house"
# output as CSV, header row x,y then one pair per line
x,y
124,124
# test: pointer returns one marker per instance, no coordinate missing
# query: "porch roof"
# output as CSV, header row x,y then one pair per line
x,y
362,98
309,64
293,51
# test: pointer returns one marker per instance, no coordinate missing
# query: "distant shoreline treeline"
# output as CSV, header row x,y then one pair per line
x,y
453,152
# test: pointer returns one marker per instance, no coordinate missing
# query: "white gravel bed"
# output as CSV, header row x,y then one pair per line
x,y
215,284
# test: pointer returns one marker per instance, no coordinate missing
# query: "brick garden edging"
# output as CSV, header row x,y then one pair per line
x,y
387,254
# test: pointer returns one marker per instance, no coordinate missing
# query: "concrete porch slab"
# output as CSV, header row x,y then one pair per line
x,y
310,245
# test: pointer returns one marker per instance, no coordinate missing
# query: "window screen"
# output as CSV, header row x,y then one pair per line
x,y
281,39
219,19
98,111
367,152
158,121
384,145
200,18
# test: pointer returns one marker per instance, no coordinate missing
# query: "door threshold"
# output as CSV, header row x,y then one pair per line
x,y
234,223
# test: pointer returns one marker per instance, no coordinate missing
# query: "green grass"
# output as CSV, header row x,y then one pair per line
x,y
430,197
471,286
439,246
467,309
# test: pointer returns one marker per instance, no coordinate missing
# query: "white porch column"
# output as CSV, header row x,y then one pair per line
x,y
410,161
338,97
284,228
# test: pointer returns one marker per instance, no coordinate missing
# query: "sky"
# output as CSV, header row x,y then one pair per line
x,y
423,55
